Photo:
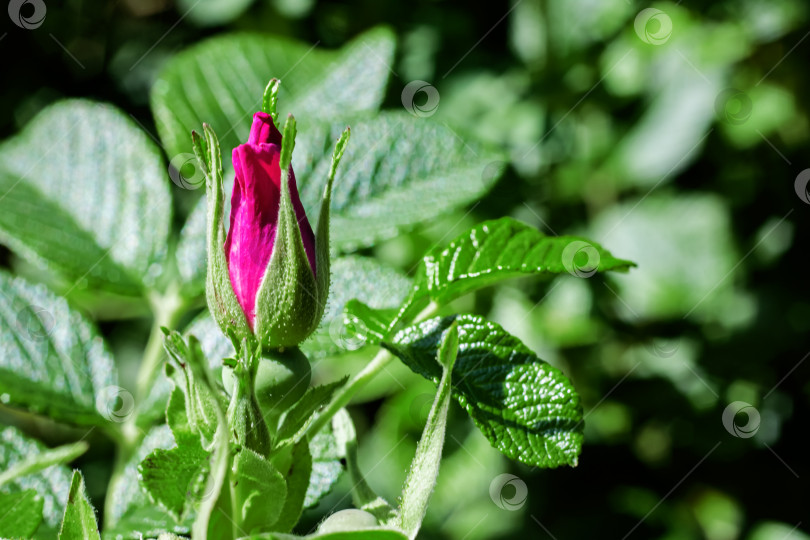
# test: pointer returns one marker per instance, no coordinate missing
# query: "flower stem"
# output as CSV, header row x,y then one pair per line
x,y
168,308
345,394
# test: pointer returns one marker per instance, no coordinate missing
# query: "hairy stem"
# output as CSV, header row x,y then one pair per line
x,y
345,394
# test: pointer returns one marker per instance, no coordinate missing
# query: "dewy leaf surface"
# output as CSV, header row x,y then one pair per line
x,y
51,484
221,80
54,362
84,193
527,408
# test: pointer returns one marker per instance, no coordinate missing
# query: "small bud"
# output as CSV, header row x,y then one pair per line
x,y
268,279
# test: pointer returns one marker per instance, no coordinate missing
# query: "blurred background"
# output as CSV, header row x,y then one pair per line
x,y
675,134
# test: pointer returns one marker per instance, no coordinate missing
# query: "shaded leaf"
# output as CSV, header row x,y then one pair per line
x,y
54,362
83,193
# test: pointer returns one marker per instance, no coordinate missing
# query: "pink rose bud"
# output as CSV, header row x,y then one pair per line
x,y
255,211
268,279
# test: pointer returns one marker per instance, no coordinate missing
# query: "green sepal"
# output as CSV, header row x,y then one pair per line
x,y
322,259
287,299
270,99
222,301
245,418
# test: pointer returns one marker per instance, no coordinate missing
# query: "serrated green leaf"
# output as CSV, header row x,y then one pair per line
x,y
52,484
129,512
229,74
526,408
20,514
175,478
79,522
424,468
197,418
258,490
296,418
83,193
506,248
397,172
54,362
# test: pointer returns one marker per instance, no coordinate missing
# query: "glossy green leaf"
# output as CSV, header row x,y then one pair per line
x,y
505,248
83,193
79,522
221,82
424,468
398,171
51,484
527,408
20,513
54,362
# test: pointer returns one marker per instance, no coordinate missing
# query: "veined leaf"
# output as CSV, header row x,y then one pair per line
x,y
526,408
221,80
37,462
83,193
79,522
54,362
51,484
488,253
397,172
326,467
297,476
505,248
20,514
175,478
